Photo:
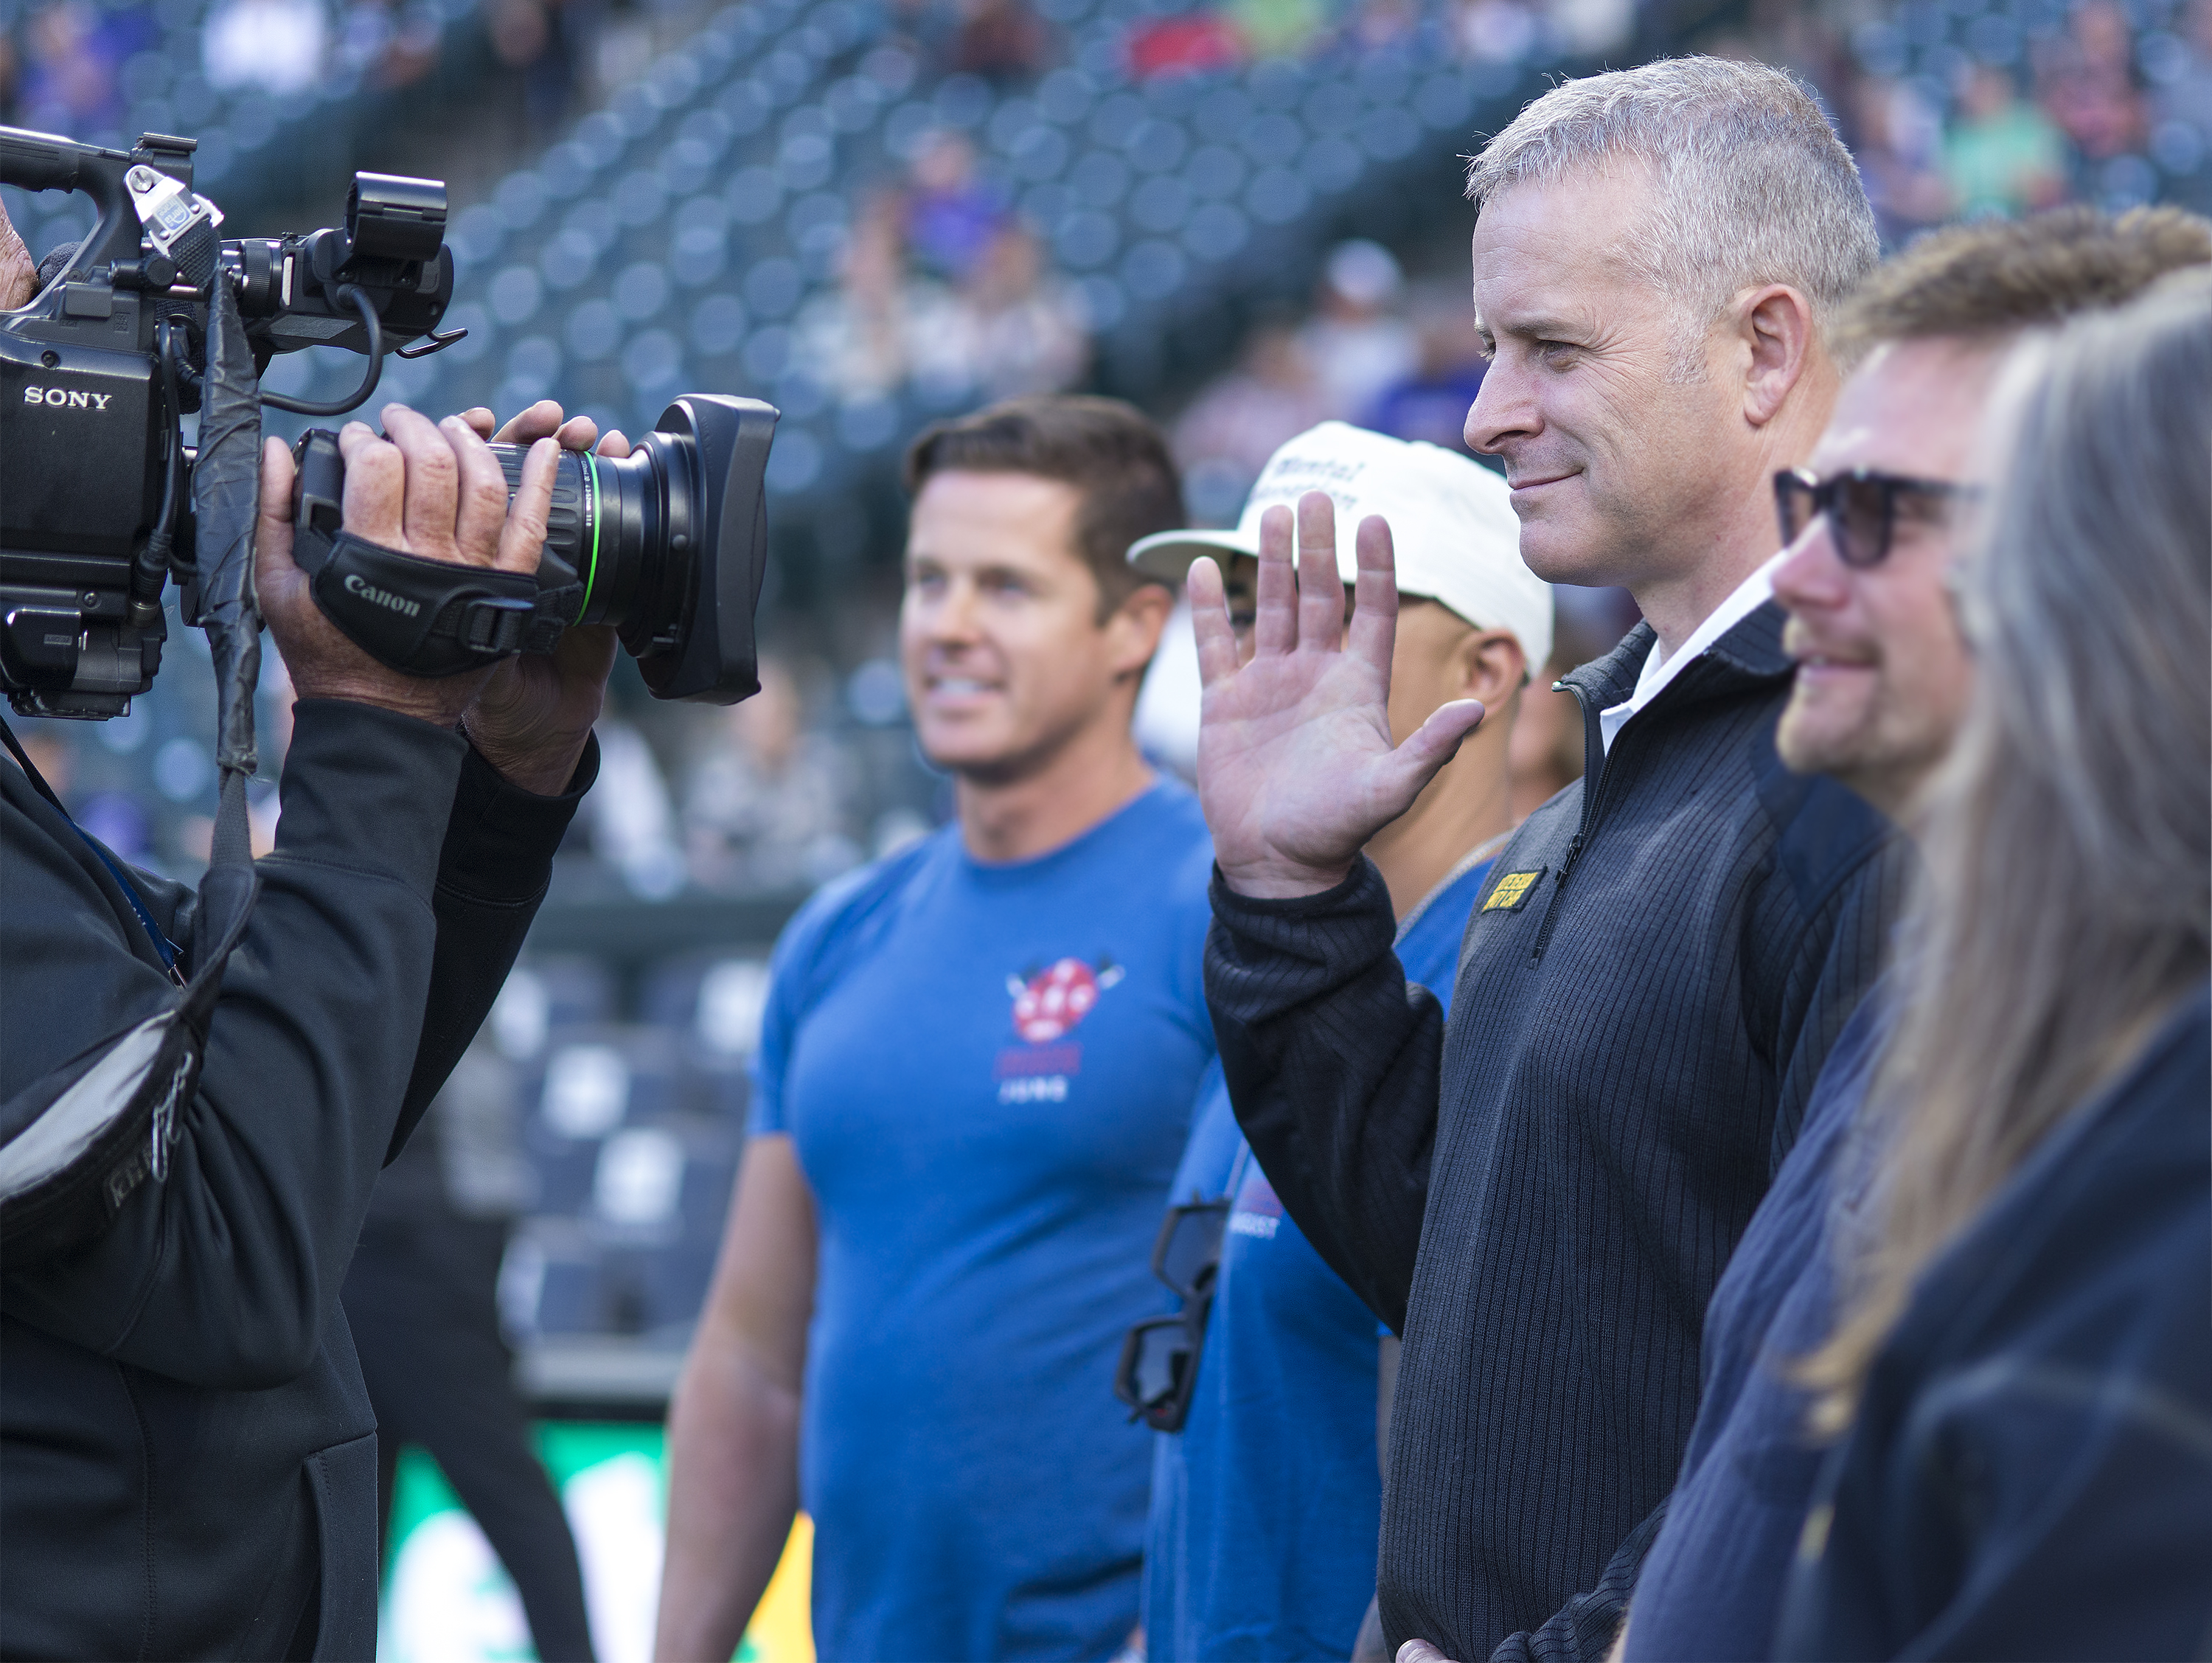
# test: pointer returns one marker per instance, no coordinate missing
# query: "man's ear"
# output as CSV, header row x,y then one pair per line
x,y
1776,345
1490,666
1133,631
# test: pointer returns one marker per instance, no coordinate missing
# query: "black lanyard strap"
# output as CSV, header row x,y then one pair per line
x,y
164,948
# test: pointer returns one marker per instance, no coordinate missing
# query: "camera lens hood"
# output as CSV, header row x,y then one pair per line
x,y
705,647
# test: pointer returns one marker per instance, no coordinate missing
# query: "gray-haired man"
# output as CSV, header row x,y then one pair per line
x,y
1541,1194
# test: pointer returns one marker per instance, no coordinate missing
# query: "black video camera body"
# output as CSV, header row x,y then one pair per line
x,y
96,372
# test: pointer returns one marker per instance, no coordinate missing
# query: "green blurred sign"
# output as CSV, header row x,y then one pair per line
x,y
447,1599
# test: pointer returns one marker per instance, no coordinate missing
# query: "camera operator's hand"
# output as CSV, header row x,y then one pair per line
x,y
434,490
533,716
19,273
1296,770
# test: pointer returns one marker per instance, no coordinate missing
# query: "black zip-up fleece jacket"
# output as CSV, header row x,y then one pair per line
x,y
1541,1195
187,1454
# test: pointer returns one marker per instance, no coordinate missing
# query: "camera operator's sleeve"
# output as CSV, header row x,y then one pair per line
x,y
1332,1058
406,875
492,873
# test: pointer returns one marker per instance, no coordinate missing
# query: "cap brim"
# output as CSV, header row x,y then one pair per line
x,y
1166,555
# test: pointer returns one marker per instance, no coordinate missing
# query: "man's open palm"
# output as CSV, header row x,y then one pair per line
x,y
1296,770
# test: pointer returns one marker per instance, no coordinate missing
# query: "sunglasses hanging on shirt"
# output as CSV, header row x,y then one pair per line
x,y
1158,1369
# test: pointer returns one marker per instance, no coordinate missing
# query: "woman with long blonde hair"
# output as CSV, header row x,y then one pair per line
x,y
2023,1371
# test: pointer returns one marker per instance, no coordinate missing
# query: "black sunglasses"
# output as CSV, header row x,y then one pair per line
x,y
1158,1367
1861,506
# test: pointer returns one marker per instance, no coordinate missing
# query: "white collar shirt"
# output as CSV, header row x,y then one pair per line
x,y
1754,592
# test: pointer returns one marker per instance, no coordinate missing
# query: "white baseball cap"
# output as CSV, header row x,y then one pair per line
x,y
1452,526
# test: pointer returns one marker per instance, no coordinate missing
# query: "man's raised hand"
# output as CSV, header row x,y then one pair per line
x,y
1296,770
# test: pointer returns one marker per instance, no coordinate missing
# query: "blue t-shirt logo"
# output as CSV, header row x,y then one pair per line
x,y
1257,1212
1047,1004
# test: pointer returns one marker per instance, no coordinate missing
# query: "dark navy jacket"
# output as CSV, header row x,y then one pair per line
x,y
187,1455
2030,1474
1540,1196
1711,1587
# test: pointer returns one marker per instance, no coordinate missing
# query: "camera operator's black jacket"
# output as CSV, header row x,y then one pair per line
x,y
1540,1195
187,1458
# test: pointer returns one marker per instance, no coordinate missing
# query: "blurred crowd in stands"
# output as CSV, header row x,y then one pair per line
x,y
947,282
943,286
2039,104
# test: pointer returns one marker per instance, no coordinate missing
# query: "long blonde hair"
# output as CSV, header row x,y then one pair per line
x,y
2065,900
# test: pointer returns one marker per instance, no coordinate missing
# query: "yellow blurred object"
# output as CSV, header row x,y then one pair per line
x,y
783,1628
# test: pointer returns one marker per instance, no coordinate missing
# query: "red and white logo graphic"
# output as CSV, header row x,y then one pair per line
x,y
1053,1000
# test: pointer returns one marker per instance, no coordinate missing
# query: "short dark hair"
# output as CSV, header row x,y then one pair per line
x,y
1109,451
1997,277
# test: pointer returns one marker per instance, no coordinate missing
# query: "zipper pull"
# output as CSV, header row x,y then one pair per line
x,y
1574,853
165,1120
1552,906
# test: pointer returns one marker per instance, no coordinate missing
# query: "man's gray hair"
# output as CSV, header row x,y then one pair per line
x,y
1751,184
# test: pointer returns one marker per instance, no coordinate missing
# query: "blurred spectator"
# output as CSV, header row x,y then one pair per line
x,y
1194,44
2181,75
277,45
1431,403
1277,29
118,819
2002,156
549,42
2088,83
862,342
387,47
72,53
1244,417
951,215
1899,153
631,824
2184,93
1014,329
769,808
1376,25
1496,31
1356,342
1002,40
421,1300
930,27
48,745
1585,27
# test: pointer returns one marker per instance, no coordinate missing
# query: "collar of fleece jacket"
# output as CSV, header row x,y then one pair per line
x,y
1748,655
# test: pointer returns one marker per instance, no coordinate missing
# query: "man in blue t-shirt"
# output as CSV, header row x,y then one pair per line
x,y
975,1080
1266,1503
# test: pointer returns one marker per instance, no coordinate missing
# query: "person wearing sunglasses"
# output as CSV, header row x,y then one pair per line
x,y
1875,524
1267,1385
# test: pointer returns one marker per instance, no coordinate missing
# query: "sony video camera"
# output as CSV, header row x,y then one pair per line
x,y
669,545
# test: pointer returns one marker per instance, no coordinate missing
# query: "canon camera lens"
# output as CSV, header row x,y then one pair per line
x,y
669,545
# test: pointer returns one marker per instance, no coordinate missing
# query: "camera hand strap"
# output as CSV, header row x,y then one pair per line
x,y
427,618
